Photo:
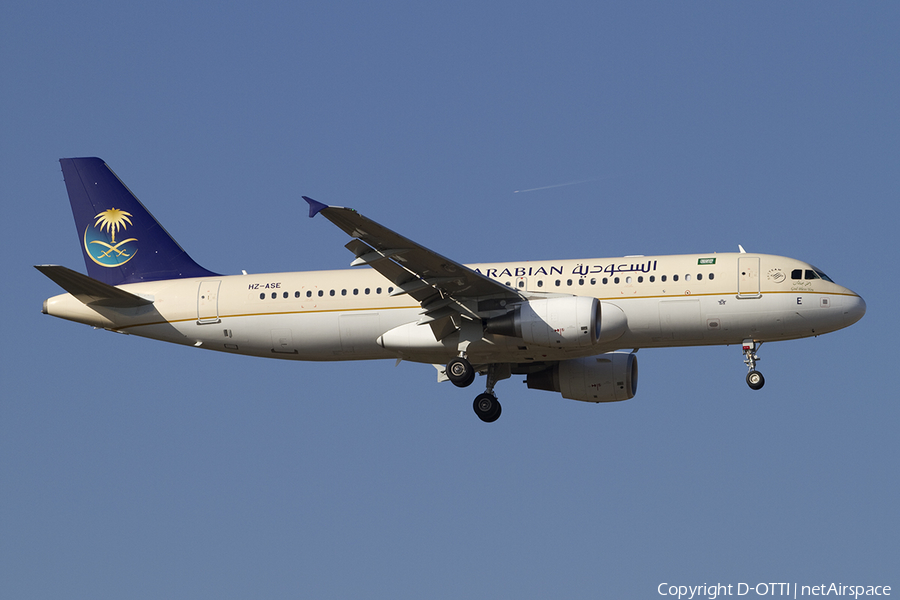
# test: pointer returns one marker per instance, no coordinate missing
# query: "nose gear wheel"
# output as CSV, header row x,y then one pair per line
x,y
755,379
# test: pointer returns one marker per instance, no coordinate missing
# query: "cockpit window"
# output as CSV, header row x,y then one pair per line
x,y
811,273
822,275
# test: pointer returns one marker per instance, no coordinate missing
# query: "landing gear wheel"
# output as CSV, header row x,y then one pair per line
x,y
755,380
460,372
487,407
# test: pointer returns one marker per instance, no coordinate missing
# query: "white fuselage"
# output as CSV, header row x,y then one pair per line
x,y
681,300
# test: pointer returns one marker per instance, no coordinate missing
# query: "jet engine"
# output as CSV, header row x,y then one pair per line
x,y
605,378
567,322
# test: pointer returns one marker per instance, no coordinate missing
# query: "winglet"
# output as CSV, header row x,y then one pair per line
x,y
315,207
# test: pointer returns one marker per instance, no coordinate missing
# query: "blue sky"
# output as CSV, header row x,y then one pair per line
x,y
130,468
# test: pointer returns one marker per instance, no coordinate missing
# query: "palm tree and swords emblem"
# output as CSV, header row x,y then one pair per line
x,y
116,253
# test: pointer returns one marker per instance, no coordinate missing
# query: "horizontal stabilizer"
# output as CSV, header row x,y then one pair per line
x,y
91,291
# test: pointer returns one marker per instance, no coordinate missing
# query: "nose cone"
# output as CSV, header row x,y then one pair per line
x,y
854,309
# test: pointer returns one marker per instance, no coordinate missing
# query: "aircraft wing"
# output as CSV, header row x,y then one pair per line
x,y
436,281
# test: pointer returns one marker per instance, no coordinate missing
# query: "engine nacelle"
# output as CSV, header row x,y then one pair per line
x,y
605,378
567,322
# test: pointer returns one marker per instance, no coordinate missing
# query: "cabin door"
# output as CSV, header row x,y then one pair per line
x,y
208,302
748,277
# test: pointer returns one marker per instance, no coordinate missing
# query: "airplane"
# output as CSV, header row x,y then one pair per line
x,y
569,326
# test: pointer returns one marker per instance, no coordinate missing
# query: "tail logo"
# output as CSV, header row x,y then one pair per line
x,y
100,239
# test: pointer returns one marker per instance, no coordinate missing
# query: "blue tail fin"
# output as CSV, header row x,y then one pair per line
x,y
121,241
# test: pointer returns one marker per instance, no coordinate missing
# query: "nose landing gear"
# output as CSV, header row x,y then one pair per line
x,y
755,379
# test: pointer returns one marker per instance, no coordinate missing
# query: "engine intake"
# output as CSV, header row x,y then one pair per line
x,y
605,378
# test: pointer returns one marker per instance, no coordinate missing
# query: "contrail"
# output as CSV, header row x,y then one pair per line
x,y
547,187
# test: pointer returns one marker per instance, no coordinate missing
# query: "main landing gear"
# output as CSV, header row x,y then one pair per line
x,y
487,407
755,379
461,373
